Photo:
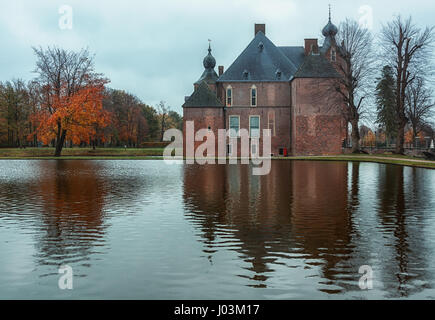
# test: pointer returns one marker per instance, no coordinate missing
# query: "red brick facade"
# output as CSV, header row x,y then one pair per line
x,y
304,113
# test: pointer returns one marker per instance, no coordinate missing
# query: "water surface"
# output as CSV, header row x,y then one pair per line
x,y
148,230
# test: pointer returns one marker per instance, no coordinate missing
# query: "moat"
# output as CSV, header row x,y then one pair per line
x,y
149,230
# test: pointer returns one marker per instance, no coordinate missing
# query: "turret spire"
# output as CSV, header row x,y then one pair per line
x,y
330,30
329,12
209,62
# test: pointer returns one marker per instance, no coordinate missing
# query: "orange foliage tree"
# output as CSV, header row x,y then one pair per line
x,y
72,107
369,139
78,116
410,137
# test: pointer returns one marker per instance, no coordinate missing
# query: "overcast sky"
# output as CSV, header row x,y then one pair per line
x,y
154,49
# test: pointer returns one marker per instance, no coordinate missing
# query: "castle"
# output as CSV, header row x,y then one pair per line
x,y
286,89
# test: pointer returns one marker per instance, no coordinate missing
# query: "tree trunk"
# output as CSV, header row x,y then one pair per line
x,y
400,139
355,136
59,144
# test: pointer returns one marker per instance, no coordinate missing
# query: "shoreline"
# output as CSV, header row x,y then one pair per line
x,y
385,159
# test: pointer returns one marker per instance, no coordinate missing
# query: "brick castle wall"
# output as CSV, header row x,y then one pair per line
x,y
318,126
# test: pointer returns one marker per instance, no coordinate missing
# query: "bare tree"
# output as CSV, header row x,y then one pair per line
x,y
356,69
419,105
63,73
163,113
407,49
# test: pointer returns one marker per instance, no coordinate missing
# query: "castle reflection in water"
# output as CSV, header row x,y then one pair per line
x,y
199,231
332,214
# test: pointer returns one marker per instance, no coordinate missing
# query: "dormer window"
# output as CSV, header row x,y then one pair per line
x,y
253,96
333,55
245,75
229,96
278,74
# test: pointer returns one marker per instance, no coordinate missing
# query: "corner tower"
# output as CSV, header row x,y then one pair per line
x,y
209,76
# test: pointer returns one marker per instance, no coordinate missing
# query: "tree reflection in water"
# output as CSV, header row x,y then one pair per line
x,y
311,211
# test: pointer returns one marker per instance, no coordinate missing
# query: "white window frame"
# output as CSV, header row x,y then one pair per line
x,y
256,96
254,143
229,125
259,125
226,96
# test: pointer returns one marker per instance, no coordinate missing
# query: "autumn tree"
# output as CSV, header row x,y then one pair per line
x,y
407,49
74,93
3,118
130,123
419,105
369,139
14,108
35,96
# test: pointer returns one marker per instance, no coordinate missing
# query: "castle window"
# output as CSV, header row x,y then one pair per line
x,y
229,96
234,126
253,96
254,148
254,126
229,149
271,122
333,55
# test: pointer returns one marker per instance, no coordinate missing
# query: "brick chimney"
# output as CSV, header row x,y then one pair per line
x,y
311,46
260,27
221,70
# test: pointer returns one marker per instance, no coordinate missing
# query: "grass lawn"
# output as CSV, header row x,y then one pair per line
x,y
379,158
156,153
88,153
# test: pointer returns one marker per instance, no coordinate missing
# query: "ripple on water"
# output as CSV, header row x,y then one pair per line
x,y
144,229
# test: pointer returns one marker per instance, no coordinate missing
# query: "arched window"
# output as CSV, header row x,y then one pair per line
x,y
333,55
229,96
253,96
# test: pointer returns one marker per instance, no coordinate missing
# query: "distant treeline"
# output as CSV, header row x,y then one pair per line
x,y
69,104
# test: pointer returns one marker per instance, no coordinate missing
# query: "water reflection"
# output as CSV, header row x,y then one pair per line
x,y
72,202
405,251
312,211
143,229
64,201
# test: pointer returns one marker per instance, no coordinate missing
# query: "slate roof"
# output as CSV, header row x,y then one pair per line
x,y
294,54
203,96
209,76
316,66
261,59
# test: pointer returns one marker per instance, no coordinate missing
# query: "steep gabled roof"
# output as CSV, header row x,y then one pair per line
x,y
294,54
260,61
203,96
316,66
